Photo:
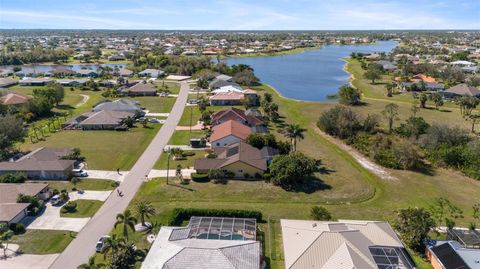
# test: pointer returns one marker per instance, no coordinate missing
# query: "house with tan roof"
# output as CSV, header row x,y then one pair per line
x,y
10,210
342,244
227,99
7,82
14,99
238,158
461,90
228,132
42,163
142,88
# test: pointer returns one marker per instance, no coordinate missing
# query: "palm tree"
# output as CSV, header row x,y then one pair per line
x,y
114,244
91,264
144,209
127,220
294,132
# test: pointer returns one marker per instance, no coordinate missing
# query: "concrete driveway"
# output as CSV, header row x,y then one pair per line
x,y
28,261
50,220
104,174
171,173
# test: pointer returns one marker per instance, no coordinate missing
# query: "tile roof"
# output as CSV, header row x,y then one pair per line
x,y
10,191
46,159
228,128
234,114
227,96
8,211
118,105
463,89
14,98
143,87
106,117
236,152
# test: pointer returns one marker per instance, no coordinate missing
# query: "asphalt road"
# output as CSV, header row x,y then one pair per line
x,y
83,246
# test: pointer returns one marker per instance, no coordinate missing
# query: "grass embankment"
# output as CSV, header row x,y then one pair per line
x,y
43,241
85,209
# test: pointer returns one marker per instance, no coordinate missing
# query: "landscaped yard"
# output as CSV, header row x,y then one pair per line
x,y
104,150
195,114
85,209
43,241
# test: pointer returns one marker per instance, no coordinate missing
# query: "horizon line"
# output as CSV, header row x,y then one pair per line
x,y
245,30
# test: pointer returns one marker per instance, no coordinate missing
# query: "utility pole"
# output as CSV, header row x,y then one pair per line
x,y
168,162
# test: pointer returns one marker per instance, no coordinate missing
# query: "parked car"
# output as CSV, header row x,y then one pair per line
x,y
153,120
55,200
80,173
100,246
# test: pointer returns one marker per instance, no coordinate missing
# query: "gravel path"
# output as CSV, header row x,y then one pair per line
x,y
84,100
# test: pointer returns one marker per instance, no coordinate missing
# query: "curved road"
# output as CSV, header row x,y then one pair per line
x,y
83,246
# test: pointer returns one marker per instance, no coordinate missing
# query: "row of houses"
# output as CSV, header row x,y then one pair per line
x,y
230,128
425,83
63,71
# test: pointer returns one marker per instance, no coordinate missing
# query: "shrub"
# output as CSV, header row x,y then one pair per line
x,y
115,184
339,121
69,207
189,153
246,175
179,215
320,213
348,95
292,169
257,175
199,177
55,192
267,177
17,228
13,178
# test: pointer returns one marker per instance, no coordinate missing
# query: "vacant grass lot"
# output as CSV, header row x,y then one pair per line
x,y
104,150
156,104
85,209
43,241
183,137
173,87
189,162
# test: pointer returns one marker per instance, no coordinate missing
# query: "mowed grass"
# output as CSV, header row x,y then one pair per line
x,y
85,209
188,163
43,241
173,87
104,150
183,137
92,184
155,104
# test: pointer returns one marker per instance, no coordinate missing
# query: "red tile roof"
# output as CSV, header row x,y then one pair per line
x,y
230,127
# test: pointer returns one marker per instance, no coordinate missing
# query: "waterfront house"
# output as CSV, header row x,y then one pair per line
x,y
87,73
14,99
7,82
151,73
35,81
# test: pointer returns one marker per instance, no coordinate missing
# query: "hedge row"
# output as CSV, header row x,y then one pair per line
x,y
13,178
179,215
197,177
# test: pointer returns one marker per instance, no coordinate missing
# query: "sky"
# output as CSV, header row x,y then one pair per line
x,y
240,14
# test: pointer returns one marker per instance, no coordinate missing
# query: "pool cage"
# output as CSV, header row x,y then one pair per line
x,y
467,238
222,228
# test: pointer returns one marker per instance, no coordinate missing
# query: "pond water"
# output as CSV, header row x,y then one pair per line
x,y
310,75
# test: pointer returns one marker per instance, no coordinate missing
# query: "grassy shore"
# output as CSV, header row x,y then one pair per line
x,y
283,52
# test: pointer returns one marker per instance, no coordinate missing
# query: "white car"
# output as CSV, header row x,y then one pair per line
x,y
100,246
55,200
80,173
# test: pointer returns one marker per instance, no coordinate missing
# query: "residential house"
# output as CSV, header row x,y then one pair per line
x,y
120,105
240,159
461,90
62,72
14,99
87,73
142,88
151,73
462,63
71,82
35,81
227,99
42,163
227,133
450,254
10,210
237,115
207,242
387,65
218,83
100,120
7,82
228,88
421,86
125,72
422,77
116,58
342,244
5,73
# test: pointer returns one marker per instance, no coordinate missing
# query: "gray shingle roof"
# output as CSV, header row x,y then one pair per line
x,y
46,159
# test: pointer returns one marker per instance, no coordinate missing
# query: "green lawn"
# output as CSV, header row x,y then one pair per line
x,y
189,162
183,137
85,209
156,104
104,150
43,241
173,87
92,184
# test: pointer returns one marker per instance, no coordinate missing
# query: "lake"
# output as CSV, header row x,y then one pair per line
x,y
310,75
